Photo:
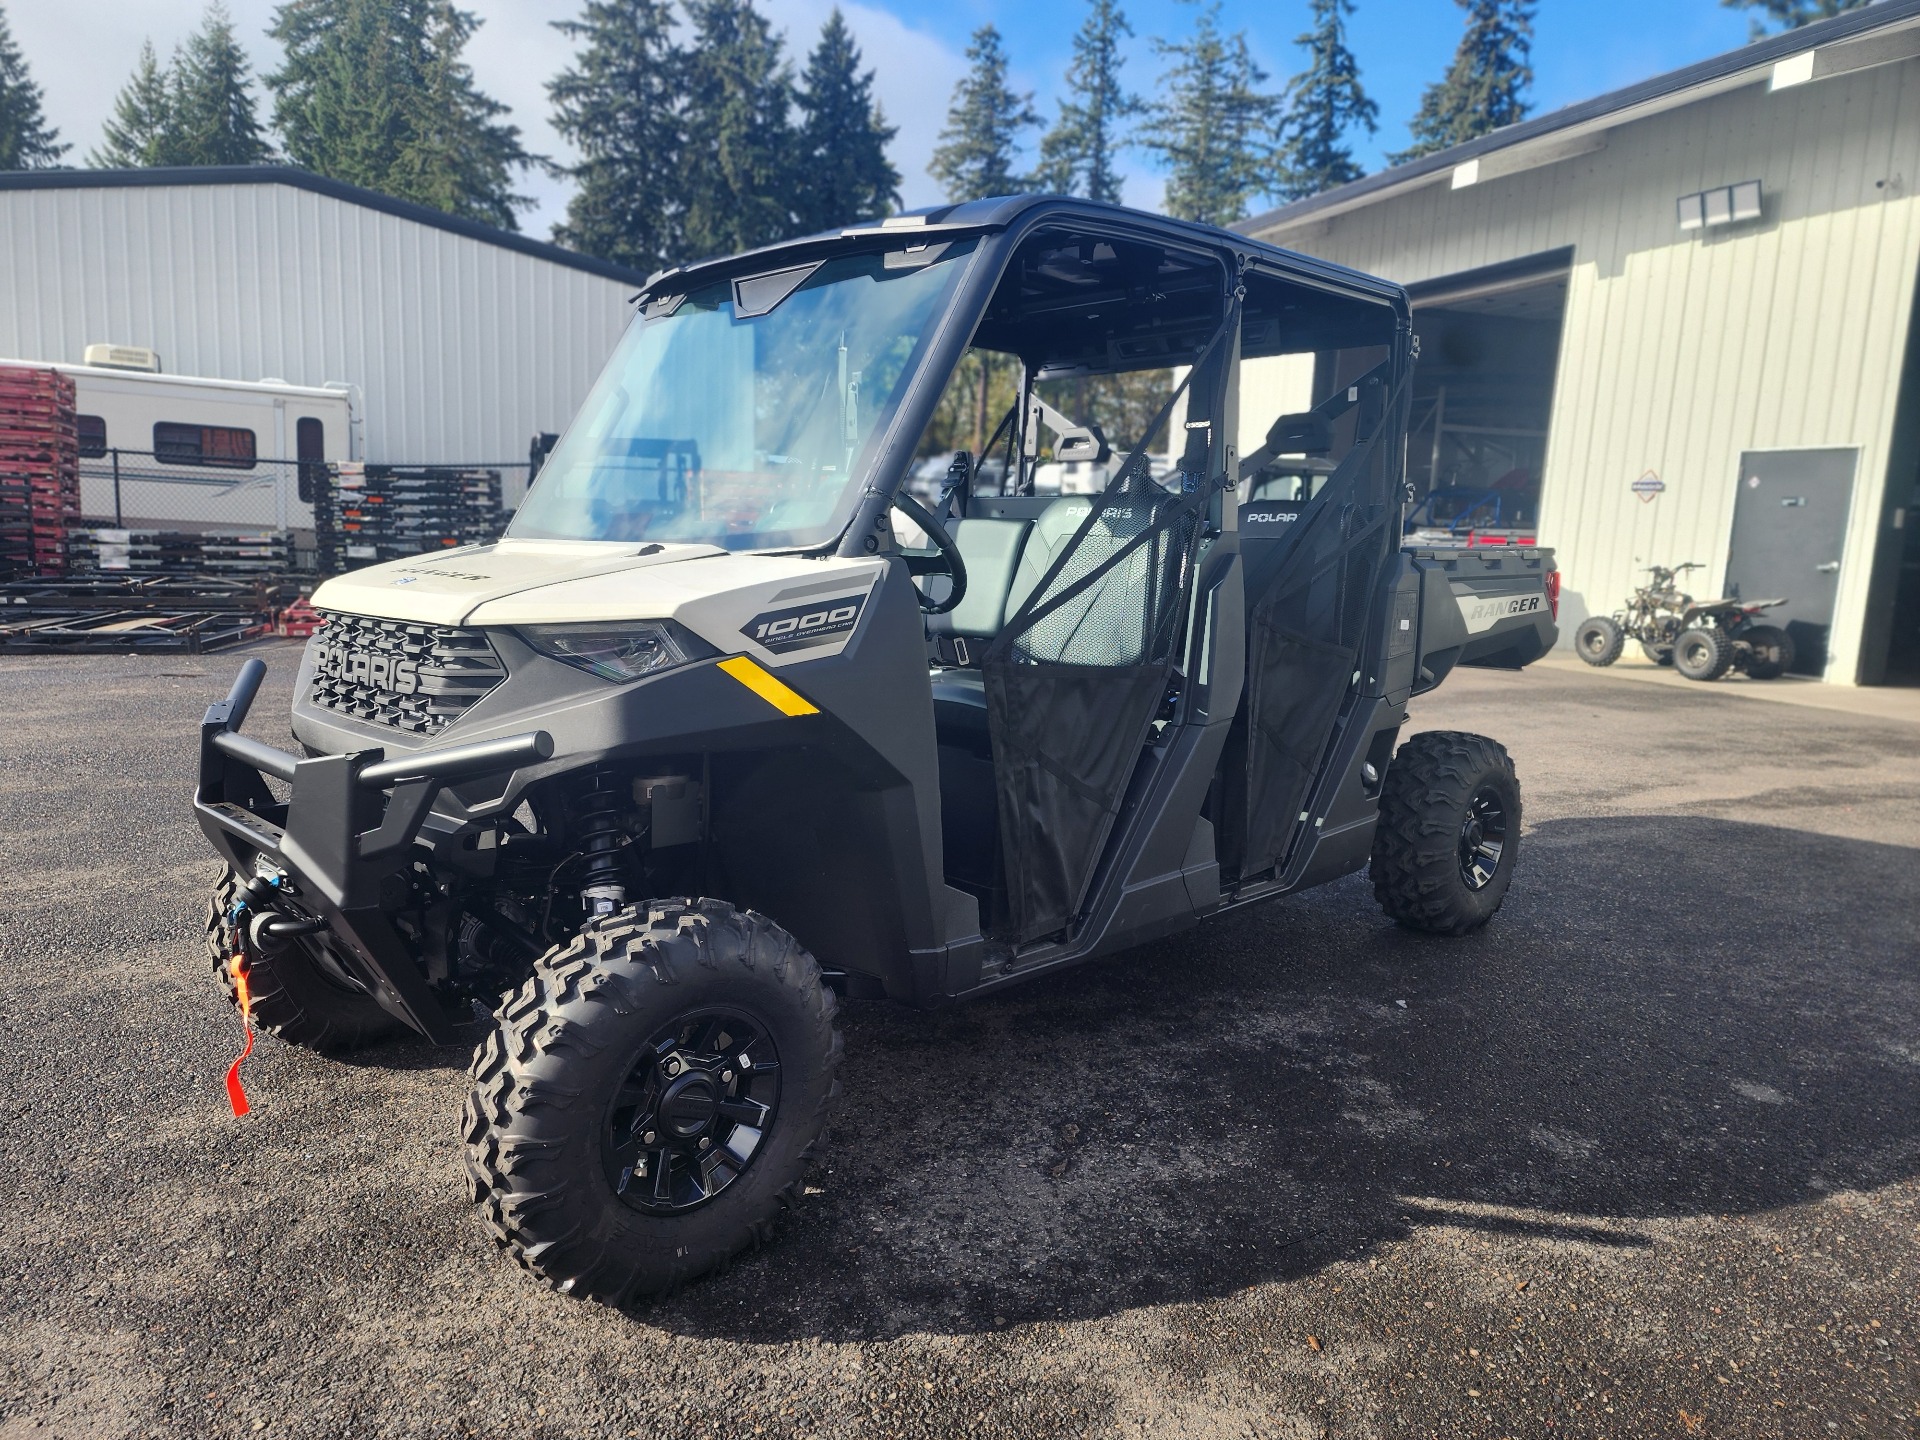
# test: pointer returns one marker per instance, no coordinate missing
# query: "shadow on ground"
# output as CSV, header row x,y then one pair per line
x,y
1673,1017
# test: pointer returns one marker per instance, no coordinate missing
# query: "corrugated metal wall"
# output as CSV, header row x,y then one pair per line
x,y
462,349
1682,350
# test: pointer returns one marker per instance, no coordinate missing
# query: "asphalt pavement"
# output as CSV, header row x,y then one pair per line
x,y
1640,1159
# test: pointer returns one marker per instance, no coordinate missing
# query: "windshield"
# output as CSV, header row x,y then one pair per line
x,y
716,424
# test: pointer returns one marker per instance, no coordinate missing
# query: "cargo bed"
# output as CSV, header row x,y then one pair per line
x,y
1492,606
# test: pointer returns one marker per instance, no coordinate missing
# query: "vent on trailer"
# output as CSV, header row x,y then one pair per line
x,y
123,357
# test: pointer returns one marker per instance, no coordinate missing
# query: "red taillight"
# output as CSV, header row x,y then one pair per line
x,y
1553,592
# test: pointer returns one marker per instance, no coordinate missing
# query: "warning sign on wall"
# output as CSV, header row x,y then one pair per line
x,y
1648,486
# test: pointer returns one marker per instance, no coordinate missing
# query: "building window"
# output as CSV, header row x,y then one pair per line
x,y
224,446
93,435
310,449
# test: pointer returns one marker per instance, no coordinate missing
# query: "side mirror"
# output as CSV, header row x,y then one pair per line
x,y
1308,433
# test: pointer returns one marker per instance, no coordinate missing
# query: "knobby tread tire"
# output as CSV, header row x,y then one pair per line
x,y
1719,653
292,998
533,1120
1416,857
1599,640
1770,651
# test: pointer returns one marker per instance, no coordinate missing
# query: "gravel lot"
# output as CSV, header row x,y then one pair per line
x,y
1641,1159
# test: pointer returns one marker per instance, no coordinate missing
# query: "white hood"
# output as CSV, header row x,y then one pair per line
x,y
446,587
726,598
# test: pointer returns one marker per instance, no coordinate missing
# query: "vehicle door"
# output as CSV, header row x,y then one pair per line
x,y
1322,378
1083,667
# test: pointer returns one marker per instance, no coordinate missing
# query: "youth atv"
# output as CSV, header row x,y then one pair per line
x,y
700,747
1702,639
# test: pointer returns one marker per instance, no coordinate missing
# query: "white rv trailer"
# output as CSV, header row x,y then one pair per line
x,y
196,453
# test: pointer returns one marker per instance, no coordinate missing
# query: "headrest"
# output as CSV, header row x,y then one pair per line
x,y
1120,515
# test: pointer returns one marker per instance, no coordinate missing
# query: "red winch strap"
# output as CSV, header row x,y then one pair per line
x,y
237,968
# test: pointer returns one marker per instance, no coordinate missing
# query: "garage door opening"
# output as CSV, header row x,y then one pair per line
x,y
1482,395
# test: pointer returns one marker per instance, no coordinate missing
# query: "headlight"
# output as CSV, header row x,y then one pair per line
x,y
623,651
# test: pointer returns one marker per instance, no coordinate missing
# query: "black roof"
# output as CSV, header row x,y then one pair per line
x,y
1005,212
1847,26
175,175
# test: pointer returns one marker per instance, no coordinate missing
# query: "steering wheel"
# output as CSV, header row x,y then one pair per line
x,y
945,559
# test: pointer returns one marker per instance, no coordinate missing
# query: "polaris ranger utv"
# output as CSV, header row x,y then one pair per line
x,y
703,743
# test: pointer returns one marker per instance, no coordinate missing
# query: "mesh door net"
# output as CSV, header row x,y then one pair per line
x,y
1310,604
1076,677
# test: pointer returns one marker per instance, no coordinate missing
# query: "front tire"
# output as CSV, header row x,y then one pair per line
x,y
1703,653
292,996
1599,640
651,1098
1449,833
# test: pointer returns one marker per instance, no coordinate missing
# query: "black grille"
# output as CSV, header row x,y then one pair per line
x,y
418,678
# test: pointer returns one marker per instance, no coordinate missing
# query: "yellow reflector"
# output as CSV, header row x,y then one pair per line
x,y
783,698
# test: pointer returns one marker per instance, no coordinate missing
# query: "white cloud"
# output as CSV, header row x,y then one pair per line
x,y
82,51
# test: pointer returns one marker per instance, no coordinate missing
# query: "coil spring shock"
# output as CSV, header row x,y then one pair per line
x,y
597,810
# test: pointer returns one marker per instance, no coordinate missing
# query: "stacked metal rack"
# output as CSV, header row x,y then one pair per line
x,y
167,613
268,554
39,470
372,513
81,586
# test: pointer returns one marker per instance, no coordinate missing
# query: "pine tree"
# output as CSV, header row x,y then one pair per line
x,y
843,172
1323,102
139,133
1214,131
460,157
27,142
737,140
374,92
1485,87
975,157
210,113
617,106
1078,155
1792,14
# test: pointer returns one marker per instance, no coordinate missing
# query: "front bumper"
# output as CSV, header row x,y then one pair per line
x,y
345,835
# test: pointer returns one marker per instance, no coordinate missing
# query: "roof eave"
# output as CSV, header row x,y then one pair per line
x,y
1749,65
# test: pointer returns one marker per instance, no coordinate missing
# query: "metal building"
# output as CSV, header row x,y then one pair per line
x,y
460,341
1679,319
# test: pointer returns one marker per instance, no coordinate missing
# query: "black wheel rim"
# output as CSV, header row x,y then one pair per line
x,y
1596,641
695,1110
1483,838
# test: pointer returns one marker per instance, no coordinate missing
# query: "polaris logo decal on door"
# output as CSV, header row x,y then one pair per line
x,y
801,627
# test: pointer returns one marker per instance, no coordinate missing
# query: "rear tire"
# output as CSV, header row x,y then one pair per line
x,y
1770,651
1599,640
1703,653
1449,833
605,1115
292,997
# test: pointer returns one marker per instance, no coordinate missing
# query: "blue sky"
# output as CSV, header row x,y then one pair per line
x,y
1581,47
81,51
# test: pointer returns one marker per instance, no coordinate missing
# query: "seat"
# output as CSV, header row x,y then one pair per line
x,y
991,550
1109,623
1105,625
